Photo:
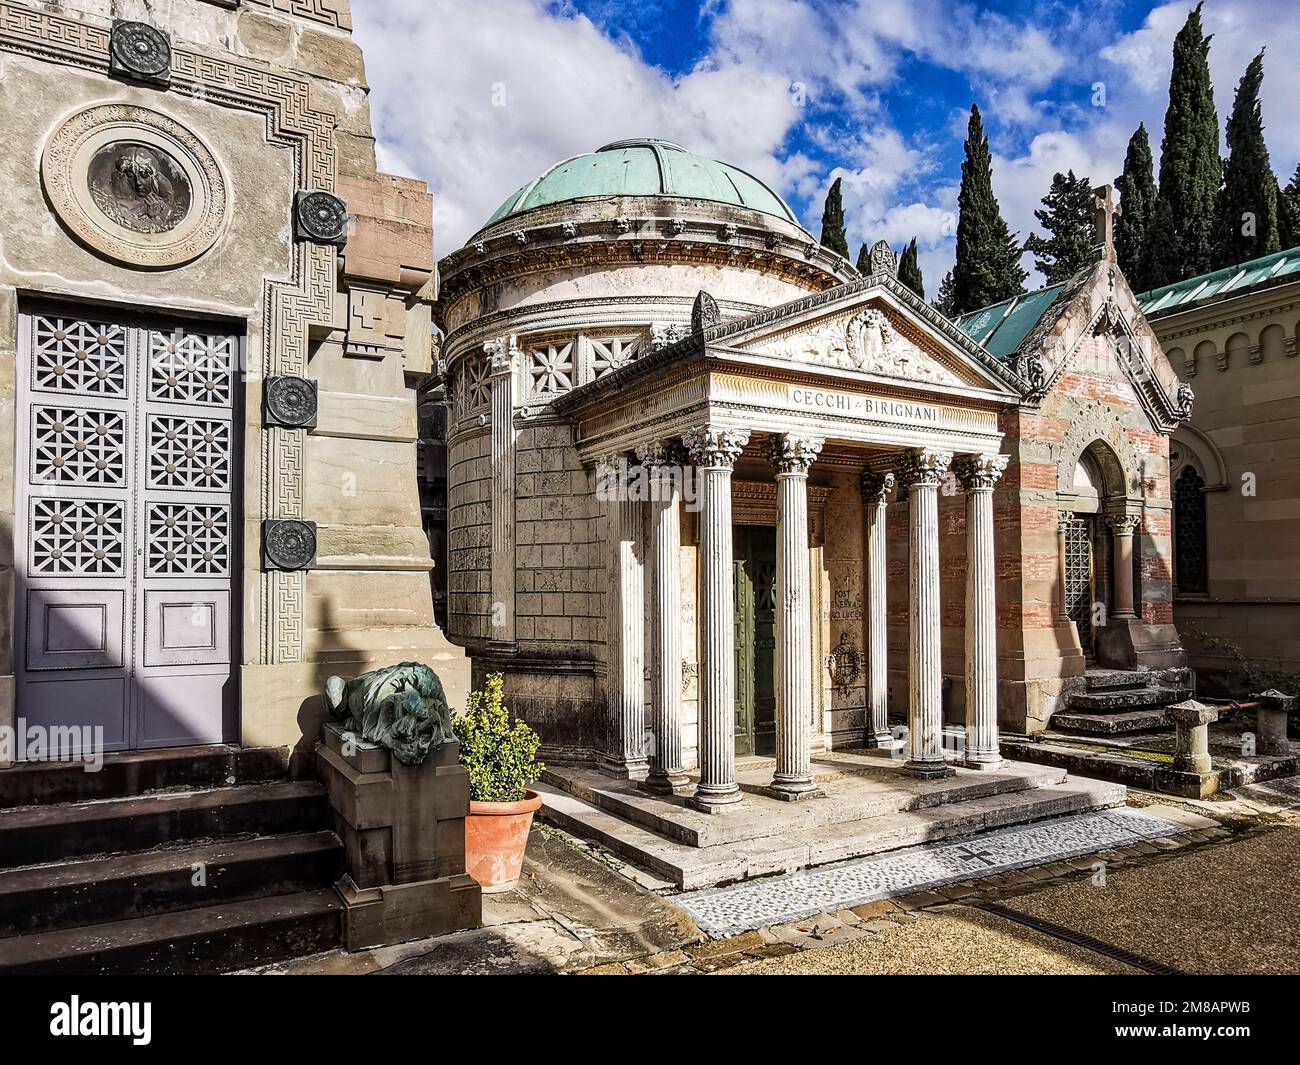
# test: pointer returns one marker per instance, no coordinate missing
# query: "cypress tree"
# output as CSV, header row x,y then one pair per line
x,y
1286,223
1190,170
1288,212
1163,265
1248,202
988,258
833,236
864,260
1066,214
1137,203
909,270
944,301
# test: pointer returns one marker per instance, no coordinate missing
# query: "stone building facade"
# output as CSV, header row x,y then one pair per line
x,y
711,493
1232,335
214,312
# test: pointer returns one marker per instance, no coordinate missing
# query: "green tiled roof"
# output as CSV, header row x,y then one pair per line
x,y
1001,327
645,168
1230,281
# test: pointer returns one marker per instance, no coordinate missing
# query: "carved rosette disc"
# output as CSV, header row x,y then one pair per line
x,y
288,544
137,49
320,217
290,402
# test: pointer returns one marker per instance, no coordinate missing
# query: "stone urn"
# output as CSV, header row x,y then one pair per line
x,y
496,834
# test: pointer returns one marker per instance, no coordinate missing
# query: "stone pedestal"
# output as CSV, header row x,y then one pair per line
x,y
1192,735
1270,722
403,833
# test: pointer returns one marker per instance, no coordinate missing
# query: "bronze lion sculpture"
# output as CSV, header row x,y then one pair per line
x,y
401,708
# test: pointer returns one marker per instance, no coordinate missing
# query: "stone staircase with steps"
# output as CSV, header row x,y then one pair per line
x,y
1116,701
868,806
185,860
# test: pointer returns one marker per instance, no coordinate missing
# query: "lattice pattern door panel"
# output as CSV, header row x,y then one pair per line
x,y
124,543
1079,596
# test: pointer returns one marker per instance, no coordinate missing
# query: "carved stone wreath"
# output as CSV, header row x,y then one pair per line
x,y
288,544
855,332
290,402
845,664
135,186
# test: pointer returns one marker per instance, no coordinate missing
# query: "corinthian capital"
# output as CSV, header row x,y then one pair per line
x,y
980,471
791,453
876,486
924,467
501,352
1123,524
711,446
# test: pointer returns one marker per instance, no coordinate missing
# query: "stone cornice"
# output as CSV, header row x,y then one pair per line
x,y
633,230
708,345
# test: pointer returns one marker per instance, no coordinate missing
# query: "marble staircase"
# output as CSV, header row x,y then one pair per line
x,y
1115,701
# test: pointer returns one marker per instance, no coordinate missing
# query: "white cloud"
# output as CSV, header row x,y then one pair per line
x,y
1240,28
436,83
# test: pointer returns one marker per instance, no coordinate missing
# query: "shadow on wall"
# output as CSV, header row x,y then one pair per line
x,y
341,659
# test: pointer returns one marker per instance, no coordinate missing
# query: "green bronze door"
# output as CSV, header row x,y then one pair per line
x,y
755,595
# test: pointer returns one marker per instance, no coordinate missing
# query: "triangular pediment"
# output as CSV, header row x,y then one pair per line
x,y
872,334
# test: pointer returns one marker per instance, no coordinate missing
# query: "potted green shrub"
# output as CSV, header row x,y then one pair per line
x,y
501,759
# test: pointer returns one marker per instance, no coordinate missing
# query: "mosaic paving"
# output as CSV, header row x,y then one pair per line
x,y
775,900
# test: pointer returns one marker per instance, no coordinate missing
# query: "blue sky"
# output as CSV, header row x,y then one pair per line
x,y
478,96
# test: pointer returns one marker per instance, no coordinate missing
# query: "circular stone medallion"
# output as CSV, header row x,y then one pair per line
x,y
135,185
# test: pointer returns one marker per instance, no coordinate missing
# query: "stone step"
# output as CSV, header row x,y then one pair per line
x,y
138,772
1111,724
210,939
1111,701
689,867
1110,679
672,819
47,833
45,897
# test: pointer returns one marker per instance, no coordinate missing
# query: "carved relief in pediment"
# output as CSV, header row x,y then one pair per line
x,y
866,340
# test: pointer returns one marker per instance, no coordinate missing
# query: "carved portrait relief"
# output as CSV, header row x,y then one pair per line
x,y
135,185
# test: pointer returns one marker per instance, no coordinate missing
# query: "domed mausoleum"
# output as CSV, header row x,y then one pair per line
x,y
717,500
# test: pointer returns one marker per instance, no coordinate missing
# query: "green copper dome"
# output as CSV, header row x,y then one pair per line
x,y
645,167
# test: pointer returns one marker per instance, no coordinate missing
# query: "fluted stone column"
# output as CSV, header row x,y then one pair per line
x,y
875,622
666,773
625,754
921,473
978,474
1123,527
715,451
793,456
502,360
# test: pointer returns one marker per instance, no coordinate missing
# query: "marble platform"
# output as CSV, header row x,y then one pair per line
x,y
868,805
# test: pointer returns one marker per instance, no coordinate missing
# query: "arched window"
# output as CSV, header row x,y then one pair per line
x,y
1189,532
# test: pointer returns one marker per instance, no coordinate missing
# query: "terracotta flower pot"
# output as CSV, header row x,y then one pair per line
x,y
496,834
